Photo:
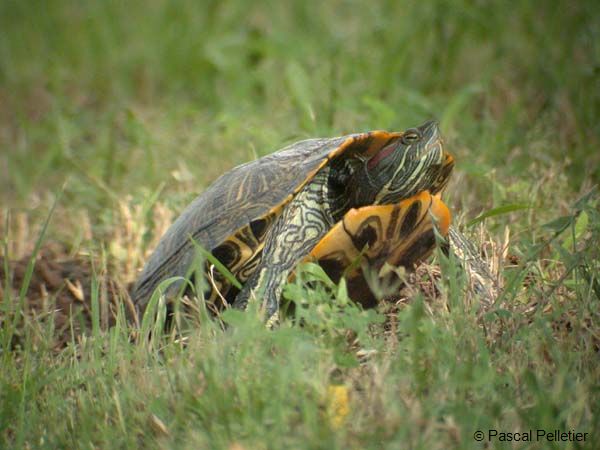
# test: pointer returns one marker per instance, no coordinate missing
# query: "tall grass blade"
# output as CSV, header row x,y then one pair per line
x,y
500,210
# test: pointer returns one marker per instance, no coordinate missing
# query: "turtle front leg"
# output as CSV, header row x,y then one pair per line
x,y
302,223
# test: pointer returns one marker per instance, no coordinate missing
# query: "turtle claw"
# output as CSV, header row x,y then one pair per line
x,y
273,321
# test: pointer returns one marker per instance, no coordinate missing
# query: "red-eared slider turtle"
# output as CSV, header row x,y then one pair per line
x,y
261,218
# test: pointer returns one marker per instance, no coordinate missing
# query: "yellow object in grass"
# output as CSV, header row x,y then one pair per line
x,y
337,404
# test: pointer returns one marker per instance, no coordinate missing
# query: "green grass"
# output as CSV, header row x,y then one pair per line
x,y
125,111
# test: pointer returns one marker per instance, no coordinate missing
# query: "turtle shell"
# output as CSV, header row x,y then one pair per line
x,y
232,216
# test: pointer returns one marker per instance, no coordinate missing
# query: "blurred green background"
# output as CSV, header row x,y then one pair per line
x,y
120,97
131,108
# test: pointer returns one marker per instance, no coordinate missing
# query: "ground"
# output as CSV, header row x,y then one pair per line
x,y
113,116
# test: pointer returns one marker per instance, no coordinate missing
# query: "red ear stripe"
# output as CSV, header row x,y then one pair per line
x,y
382,154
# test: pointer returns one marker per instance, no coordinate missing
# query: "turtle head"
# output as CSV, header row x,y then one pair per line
x,y
414,162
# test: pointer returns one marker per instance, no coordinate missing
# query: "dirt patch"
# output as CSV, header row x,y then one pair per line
x,y
60,293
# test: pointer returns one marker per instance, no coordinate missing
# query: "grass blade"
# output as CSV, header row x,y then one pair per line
x,y
218,264
498,212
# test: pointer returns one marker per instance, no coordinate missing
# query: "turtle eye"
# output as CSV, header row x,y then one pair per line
x,y
411,136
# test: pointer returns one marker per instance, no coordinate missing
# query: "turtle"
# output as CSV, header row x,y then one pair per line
x,y
325,199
